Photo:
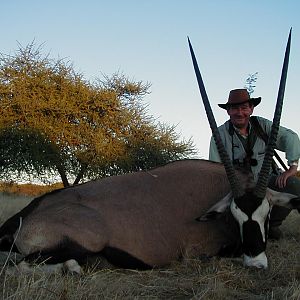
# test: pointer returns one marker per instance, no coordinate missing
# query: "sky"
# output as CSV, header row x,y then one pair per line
x,y
147,41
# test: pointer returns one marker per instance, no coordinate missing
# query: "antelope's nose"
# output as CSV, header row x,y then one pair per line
x,y
260,261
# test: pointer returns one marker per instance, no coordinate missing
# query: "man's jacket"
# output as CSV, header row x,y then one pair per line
x,y
287,141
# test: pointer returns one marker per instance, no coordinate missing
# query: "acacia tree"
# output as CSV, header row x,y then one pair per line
x,y
53,121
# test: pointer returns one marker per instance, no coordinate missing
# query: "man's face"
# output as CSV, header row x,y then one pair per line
x,y
240,114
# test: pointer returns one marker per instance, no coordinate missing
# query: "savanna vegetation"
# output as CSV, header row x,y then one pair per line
x,y
55,123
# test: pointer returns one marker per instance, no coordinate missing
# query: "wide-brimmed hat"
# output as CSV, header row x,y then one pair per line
x,y
239,96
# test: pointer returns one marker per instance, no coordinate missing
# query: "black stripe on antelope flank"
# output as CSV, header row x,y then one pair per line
x,y
122,259
65,250
69,249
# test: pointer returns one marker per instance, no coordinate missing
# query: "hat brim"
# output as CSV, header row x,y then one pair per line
x,y
254,101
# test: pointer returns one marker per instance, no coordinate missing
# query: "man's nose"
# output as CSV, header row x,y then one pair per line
x,y
239,110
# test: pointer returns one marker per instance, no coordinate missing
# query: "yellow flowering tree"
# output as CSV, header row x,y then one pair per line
x,y
53,121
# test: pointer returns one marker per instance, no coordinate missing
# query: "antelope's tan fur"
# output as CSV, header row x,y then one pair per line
x,y
150,215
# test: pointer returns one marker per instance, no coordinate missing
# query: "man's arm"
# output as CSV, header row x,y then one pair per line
x,y
282,178
288,142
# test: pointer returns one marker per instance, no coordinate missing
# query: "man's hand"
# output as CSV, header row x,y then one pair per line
x,y
282,178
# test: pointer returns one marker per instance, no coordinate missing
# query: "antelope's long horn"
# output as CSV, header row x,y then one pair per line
x,y
263,178
232,178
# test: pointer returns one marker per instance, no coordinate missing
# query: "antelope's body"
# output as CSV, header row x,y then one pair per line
x,y
149,215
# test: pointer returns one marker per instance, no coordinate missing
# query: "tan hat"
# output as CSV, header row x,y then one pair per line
x,y
239,96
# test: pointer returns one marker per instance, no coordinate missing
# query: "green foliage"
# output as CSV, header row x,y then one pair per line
x,y
53,121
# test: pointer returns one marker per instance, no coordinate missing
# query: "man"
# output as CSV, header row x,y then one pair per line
x,y
245,146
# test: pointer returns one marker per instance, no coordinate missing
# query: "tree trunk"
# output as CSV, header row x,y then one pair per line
x,y
63,176
80,174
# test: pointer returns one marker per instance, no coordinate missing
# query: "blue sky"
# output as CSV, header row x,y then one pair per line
x,y
147,40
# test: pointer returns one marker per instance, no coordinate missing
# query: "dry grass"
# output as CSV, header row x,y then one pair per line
x,y
13,197
28,189
189,279
10,204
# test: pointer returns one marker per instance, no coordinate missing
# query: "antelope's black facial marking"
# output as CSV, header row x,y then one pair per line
x,y
248,203
252,214
252,244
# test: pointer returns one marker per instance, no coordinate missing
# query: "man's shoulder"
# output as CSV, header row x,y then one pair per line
x,y
260,119
263,122
224,129
224,125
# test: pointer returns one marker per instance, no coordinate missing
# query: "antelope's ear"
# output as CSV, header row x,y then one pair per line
x,y
216,210
283,199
